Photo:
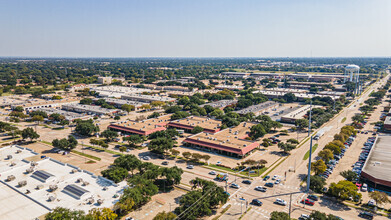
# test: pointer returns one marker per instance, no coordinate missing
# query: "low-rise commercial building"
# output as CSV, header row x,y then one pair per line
x,y
89,109
104,80
120,102
70,116
147,98
117,91
221,104
259,109
229,87
144,127
240,75
376,170
300,96
231,141
188,124
297,114
32,187
387,123
40,103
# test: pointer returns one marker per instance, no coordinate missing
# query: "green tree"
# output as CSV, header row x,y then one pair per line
x,y
286,147
179,115
161,145
301,124
101,214
175,152
116,174
128,162
127,108
349,175
292,141
318,167
326,155
289,97
37,118
344,190
164,216
257,131
18,109
197,129
86,101
173,175
186,155
133,140
334,148
317,183
65,144
86,128
29,133
122,149
379,197
109,135
60,213
279,216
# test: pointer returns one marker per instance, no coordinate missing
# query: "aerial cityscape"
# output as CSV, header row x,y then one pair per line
x,y
163,110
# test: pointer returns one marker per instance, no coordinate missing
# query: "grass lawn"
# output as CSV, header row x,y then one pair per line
x,y
307,155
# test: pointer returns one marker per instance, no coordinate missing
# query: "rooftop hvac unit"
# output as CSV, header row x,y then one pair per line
x,y
34,163
18,151
9,157
90,201
51,198
30,170
74,171
39,187
13,164
10,178
85,183
244,145
105,188
99,201
22,183
79,180
53,188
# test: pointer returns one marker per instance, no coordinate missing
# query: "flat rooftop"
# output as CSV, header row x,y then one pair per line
x,y
378,164
43,102
257,108
387,121
193,121
36,192
148,98
70,116
88,108
230,139
220,104
300,112
123,102
147,126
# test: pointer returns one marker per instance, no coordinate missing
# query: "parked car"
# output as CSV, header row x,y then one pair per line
x,y
372,202
280,202
269,184
308,201
304,217
256,202
190,167
165,163
313,197
246,182
274,177
366,215
278,181
260,188
234,185
364,187
147,158
212,173
266,178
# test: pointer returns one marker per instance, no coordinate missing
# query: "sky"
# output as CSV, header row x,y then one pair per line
x,y
195,28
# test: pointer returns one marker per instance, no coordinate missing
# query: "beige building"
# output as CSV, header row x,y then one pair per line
x,y
105,80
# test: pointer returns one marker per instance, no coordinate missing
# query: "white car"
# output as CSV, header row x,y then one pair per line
x,y
218,163
304,216
372,202
274,177
147,158
260,188
212,173
190,167
280,202
364,187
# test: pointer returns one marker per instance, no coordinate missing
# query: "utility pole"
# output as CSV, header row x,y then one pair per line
x,y
309,159
290,205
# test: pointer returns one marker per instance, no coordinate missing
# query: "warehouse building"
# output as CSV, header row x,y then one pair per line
x,y
147,98
40,103
119,102
259,109
144,128
89,109
239,75
230,141
70,116
297,114
221,104
387,123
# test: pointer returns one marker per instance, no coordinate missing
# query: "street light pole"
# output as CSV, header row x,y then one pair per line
x,y
309,159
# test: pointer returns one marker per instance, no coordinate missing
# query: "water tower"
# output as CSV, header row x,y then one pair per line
x,y
352,73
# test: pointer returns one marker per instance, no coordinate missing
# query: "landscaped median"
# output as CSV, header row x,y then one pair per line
x,y
307,154
77,152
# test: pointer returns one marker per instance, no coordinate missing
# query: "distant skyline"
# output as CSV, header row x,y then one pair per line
x,y
201,28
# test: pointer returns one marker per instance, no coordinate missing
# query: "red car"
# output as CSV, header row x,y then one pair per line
x,y
308,201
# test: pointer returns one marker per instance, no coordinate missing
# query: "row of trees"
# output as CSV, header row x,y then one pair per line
x,y
145,180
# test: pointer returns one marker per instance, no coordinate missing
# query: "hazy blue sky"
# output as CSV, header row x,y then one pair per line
x,y
195,28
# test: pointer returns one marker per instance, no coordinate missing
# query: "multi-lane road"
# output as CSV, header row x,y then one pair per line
x,y
291,183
